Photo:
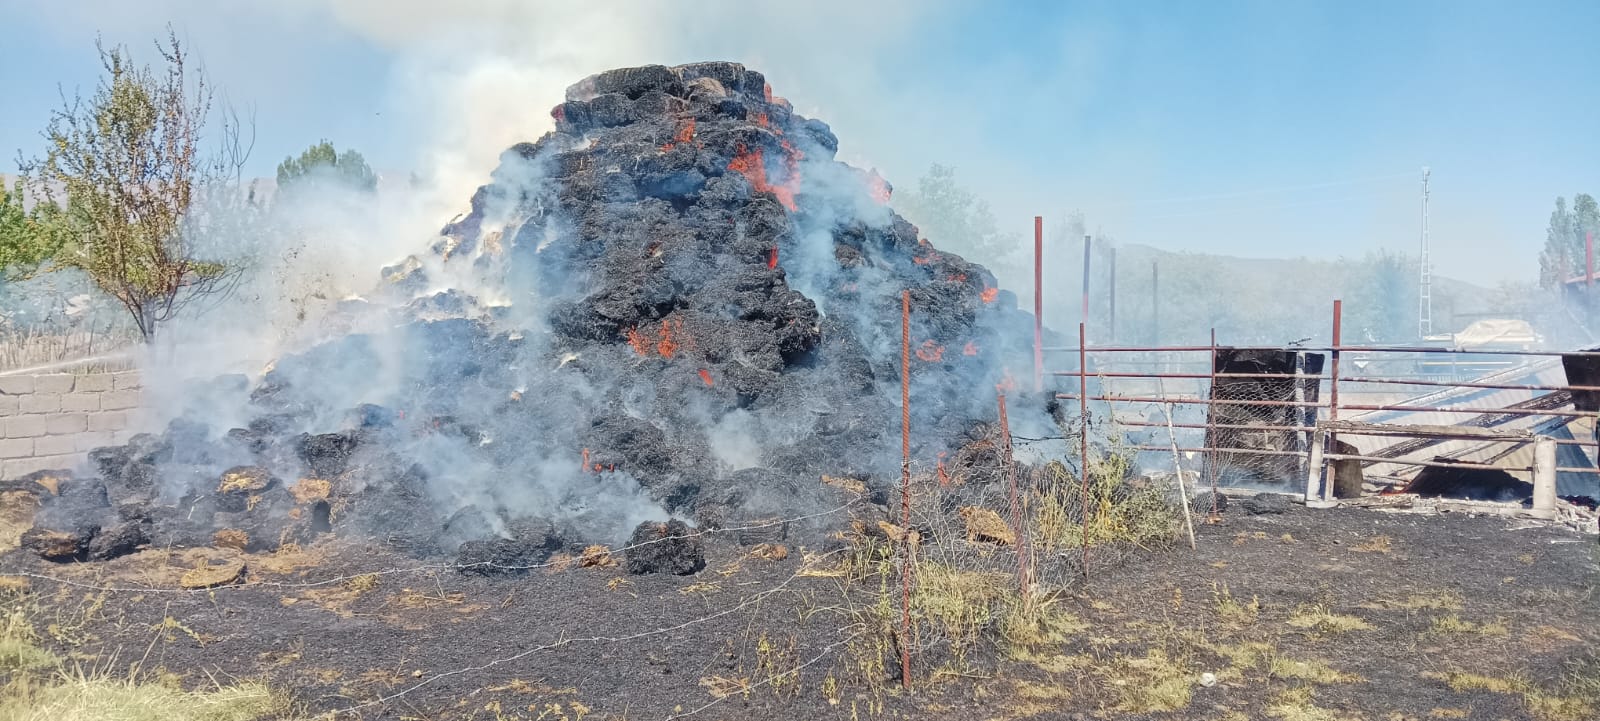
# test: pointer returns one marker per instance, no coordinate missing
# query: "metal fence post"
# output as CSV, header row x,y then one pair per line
x,y
1544,477
1314,465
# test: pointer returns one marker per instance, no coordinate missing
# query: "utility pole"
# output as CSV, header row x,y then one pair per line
x,y
1425,296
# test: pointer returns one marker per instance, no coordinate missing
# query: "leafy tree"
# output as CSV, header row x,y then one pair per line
x,y
321,163
953,218
1383,297
127,163
1564,254
29,238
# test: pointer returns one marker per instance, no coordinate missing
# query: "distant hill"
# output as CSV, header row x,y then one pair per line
x,y
1254,300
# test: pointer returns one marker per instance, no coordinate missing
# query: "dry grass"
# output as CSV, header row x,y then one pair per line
x,y
1312,671
1574,697
1117,513
1453,624
1376,544
959,604
42,688
81,697
1027,699
1247,655
1154,683
1321,620
1234,612
1297,704
18,645
724,686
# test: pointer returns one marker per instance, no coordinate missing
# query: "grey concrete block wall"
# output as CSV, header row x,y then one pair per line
x,y
53,420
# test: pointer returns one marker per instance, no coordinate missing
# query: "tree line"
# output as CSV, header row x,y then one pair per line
x,y
140,187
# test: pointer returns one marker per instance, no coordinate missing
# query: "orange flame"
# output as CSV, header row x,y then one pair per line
x,y
637,340
791,163
944,477
877,187
930,351
766,91
705,375
921,259
761,119
970,348
1007,383
989,294
772,258
667,345
752,165
958,278
584,464
684,134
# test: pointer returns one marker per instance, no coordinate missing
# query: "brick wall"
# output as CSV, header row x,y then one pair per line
x,y
53,420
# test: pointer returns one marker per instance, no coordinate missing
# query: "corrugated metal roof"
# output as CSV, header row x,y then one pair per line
x,y
1511,456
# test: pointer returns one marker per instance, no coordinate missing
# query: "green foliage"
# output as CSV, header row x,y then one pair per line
x,y
320,164
126,164
29,238
1384,297
954,218
1565,253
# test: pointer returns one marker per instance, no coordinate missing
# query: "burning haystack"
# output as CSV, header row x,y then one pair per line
x,y
676,305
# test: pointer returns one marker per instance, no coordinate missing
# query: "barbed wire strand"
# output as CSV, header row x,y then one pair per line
x,y
744,603
826,651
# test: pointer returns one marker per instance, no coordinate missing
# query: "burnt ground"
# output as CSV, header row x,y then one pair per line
x,y
1307,615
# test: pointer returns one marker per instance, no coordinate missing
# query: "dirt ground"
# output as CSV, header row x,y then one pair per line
x,y
1309,615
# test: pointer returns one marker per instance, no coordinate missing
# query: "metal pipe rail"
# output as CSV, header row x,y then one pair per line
x,y
1375,431
1366,460
1197,401
1328,349
1369,460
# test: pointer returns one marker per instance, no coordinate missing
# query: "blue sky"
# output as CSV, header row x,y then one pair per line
x,y
1251,128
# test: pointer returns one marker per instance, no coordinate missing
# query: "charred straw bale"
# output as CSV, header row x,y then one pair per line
x,y
59,545
703,321
671,547
531,544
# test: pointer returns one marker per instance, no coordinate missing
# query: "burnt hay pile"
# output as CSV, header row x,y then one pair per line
x,y
677,304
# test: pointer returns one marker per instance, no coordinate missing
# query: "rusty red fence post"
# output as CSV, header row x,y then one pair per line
x,y
1083,446
1211,428
1038,303
1333,386
905,488
1018,518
